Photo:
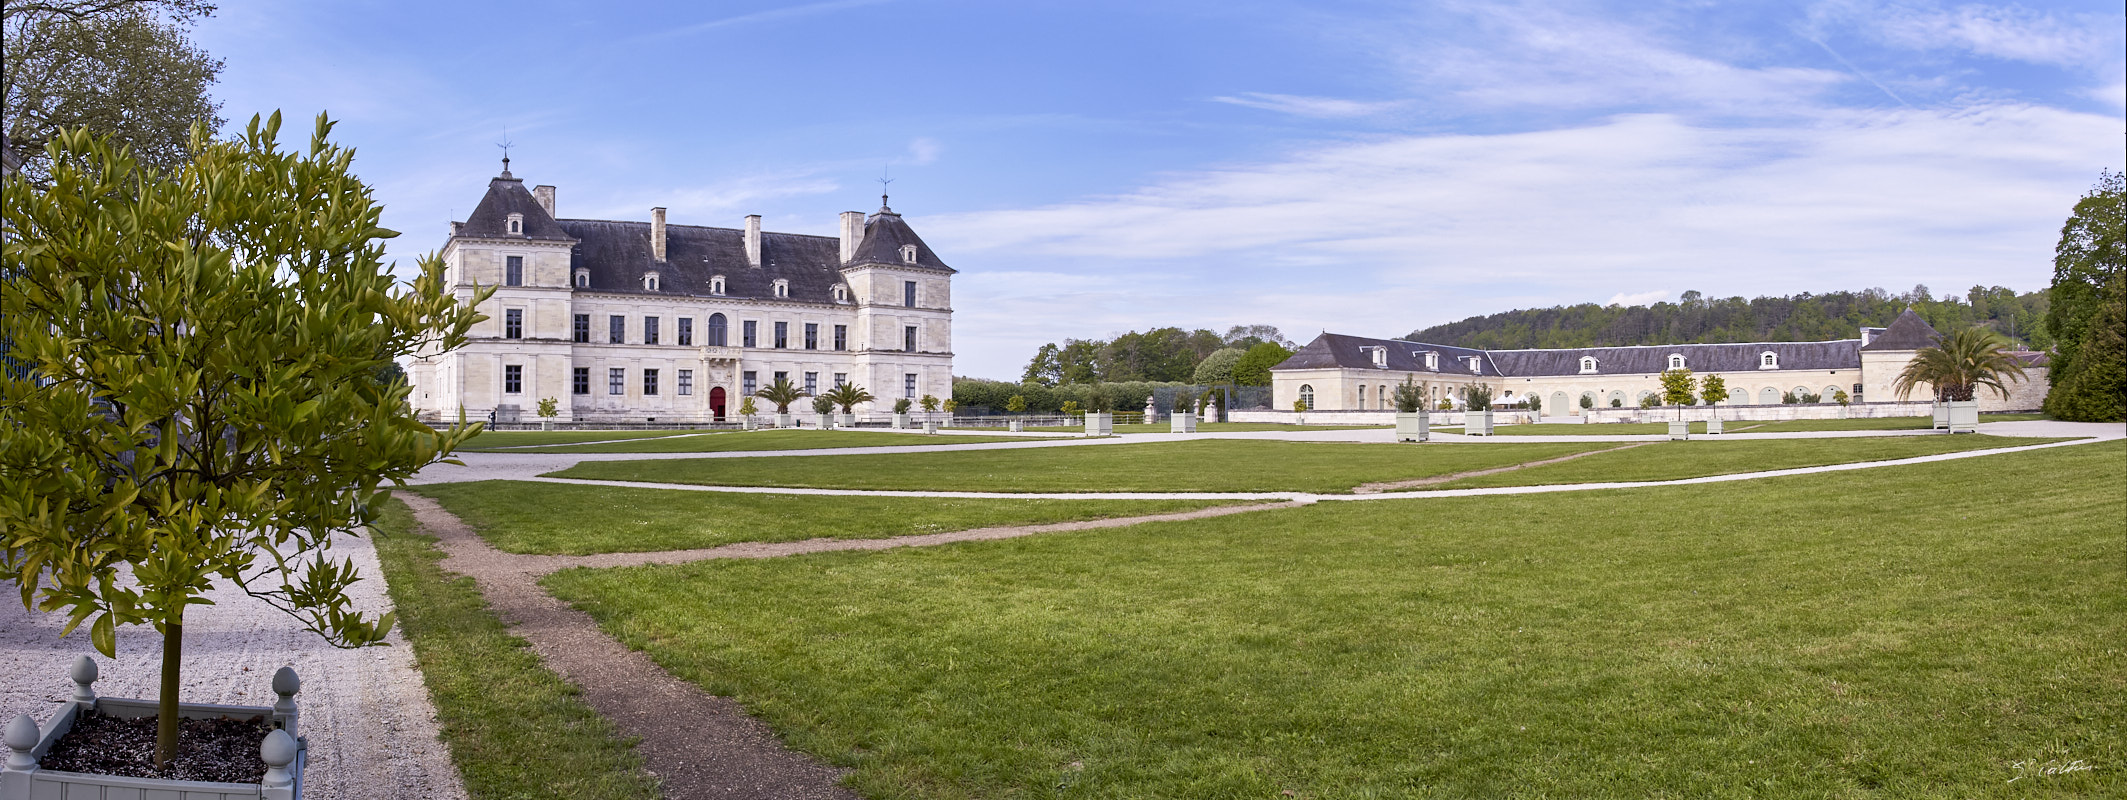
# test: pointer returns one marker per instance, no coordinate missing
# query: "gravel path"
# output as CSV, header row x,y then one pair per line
x,y
367,715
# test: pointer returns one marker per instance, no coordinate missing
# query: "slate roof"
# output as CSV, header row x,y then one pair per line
x,y
884,234
506,196
1332,350
1907,332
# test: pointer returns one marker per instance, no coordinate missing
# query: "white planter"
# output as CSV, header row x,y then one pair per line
x,y
1963,416
1942,416
546,424
1477,423
1843,410
845,420
1713,426
1679,430
823,421
930,426
900,422
1182,422
284,750
1415,426
1100,423
786,421
748,423
1018,425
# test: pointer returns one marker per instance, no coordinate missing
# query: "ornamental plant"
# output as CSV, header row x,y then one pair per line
x,y
747,408
197,401
929,403
1409,398
1479,398
1299,405
1070,407
1841,397
902,405
847,396
1713,388
782,393
1016,405
1587,401
1536,403
549,408
1958,364
1181,403
822,405
1678,389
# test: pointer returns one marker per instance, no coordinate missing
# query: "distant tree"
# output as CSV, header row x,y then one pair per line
x,y
1841,397
1536,403
902,405
1070,407
1409,398
1217,369
747,408
1616,402
1045,369
1478,398
1713,388
1253,367
782,393
1587,401
549,408
1678,389
2088,317
1650,400
929,403
1016,405
1958,364
121,68
949,405
1790,398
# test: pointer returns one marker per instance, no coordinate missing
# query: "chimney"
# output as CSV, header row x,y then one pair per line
x,y
657,233
545,195
753,240
852,233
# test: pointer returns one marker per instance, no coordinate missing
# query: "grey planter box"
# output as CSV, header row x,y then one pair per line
x,y
1100,423
1477,423
900,422
845,420
930,426
823,421
1942,416
1413,426
1679,430
283,750
1713,426
1018,425
1183,422
748,423
1963,416
546,424
786,421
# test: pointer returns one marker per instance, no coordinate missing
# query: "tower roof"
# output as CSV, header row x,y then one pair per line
x,y
506,195
885,233
1907,332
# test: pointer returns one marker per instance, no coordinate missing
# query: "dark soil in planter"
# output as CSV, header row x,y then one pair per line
x,y
223,750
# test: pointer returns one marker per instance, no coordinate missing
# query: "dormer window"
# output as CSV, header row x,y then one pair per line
x,y
908,254
516,224
1676,361
1477,365
841,293
782,289
583,278
1768,360
716,285
1587,365
1432,361
649,281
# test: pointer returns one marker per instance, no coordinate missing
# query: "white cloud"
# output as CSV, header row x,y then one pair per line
x,y
1309,106
2007,32
924,150
1640,299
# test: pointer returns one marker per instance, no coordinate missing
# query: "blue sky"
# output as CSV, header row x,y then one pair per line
x,y
1361,167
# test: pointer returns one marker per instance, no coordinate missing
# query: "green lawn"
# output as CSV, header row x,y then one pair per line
x,y
1666,460
515,729
1206,427
1190,466
1945,630
560,519
1743,426
730,441
493,439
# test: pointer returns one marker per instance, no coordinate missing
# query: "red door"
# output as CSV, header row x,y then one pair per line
x,y
716,402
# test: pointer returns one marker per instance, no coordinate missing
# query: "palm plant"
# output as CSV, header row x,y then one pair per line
x,y
847,396
782,393
902,405
1959,364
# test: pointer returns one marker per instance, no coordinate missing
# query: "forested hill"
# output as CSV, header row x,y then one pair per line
x,y
1697,319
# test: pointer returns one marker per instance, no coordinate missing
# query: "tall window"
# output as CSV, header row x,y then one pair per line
x,y
617,329
908,385
649,382
841,337
686,331
746,334
782,335
649,330
908,339
513,324
908,294
580,380
812,336
580,329
716,285
749,382
781,288
512,379
583,279
1307,397
841,378
686,381
1362,395
780,376
513,271
716,330
812,383
616,381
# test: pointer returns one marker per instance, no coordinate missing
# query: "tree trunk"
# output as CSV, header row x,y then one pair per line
x,y
173,648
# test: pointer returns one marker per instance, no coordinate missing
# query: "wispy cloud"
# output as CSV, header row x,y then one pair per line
x,y
1639,298
1309,106
771,15
2012,32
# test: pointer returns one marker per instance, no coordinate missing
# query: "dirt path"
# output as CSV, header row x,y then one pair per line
x,y
699,745
1420,483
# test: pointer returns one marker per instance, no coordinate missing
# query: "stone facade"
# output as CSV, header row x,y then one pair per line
x,y
649,322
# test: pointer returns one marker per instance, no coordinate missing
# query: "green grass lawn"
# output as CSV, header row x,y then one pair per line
x,y
1190,466
1666,460
1742,426
1209,427
515,729
492,439
560,519
1945,630
730,441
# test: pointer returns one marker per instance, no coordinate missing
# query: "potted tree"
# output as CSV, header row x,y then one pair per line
x,y
1184,419
140,467
1477,417
1017,405
823,413
847,396
549,408
1099,420
950,405
1412,422
746,411
1536,409
901,408
1714,389
782,393
1678,389
930,407
1957,365
1844,400
1587,404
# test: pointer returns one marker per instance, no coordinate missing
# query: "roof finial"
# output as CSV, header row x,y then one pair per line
x,y
505,145
883,181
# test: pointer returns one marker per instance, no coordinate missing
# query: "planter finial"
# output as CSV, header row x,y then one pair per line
x,y
286,684
84,674
278,751
21,738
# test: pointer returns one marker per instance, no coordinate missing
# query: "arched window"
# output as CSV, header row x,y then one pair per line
x,y
583,278
1432,361
1828,392
1587,365
1768,360
841,293
1617,398
782,288
716,285
649,281
717,330
1769,396
1381,397
1362,395
1676,361
1307,397
516,223
908,253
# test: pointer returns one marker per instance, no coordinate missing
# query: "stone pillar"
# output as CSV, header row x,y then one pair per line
x,y
657,234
